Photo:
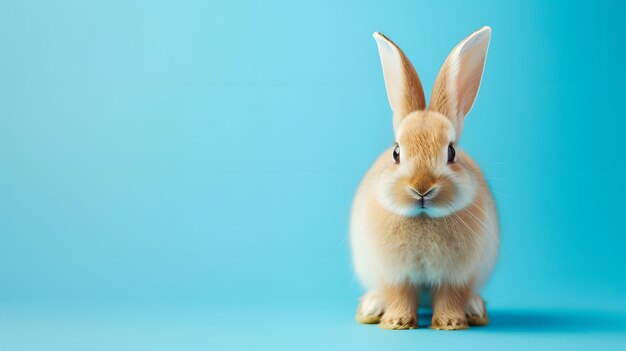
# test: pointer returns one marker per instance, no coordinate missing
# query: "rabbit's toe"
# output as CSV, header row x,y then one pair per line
x,y
399,322
449,323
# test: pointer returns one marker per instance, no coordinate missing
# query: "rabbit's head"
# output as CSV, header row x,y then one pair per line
x,y
427,173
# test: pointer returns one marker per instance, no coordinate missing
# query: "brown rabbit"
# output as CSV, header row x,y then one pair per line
x,y
424,219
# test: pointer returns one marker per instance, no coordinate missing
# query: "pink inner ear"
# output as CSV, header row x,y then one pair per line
x,y
469,76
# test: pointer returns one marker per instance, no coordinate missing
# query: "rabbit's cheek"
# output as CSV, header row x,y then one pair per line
x,y
446,194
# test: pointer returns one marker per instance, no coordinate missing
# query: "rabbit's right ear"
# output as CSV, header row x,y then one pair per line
x,y
404,88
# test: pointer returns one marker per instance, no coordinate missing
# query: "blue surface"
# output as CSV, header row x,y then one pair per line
x,y
179,174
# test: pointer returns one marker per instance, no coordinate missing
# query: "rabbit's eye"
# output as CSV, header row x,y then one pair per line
x,y
451,154
396,153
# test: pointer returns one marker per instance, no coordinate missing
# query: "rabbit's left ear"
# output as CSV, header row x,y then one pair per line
x,y
404,88
458,81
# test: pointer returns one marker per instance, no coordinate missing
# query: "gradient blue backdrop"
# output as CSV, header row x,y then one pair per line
x,y
178,175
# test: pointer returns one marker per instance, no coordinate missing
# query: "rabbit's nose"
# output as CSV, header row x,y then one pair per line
x,y
422,193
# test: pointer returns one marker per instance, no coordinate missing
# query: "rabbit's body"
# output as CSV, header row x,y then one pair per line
x,y
423,219
424,250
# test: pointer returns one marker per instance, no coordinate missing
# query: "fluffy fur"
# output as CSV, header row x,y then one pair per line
x,y
425,224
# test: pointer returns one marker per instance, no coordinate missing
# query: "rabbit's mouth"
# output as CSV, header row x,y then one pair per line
x,y
423,200
424,203
431,204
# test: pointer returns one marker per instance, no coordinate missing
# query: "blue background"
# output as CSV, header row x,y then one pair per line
x,y
178,175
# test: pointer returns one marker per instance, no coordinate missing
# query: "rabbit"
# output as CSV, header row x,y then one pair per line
x,y
423,220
